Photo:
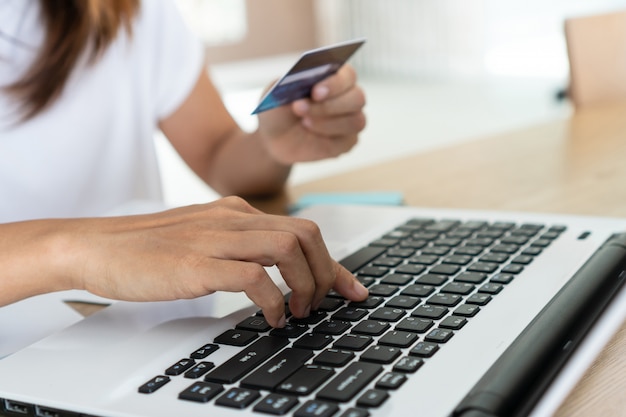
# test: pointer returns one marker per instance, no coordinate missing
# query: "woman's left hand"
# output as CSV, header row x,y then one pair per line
x,y
323,126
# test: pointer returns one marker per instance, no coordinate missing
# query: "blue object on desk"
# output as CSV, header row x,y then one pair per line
x,y
388,198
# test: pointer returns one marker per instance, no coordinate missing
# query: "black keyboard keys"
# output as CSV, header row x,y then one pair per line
x,y
306,380
277,369
246,360
201,392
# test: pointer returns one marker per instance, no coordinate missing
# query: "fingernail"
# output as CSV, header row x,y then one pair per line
x,y
282,322
360,290
300,107
321,92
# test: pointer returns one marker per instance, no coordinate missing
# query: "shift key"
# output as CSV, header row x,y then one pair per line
x,y
350,382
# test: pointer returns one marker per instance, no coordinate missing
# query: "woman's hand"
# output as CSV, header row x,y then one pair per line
x,y
324,126
196,250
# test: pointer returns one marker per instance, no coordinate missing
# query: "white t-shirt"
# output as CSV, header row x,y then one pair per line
x,y
93,150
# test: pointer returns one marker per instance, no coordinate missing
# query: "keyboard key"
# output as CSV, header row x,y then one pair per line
x,y
467,310
352,342
372,398
180,367
457,259
236,337
439,335
424,349
414,325
442,299
199,369
485,267
290,331
204,351
277,369
508,249
332,327
398,338
391,380
276,404
436,250
306,380
513,269
373,271
418,290
313,341
428,311
154,384
387,314
471,277
462,288
522,259
453,322
380,354
424,259
246,360
369,303
480,299
334,358
350,314
502,278
330,304
410,269
491,288
350,381
445,269
397,279
408,364
313,318
238,398
403,301
387,261
371,327
432,279
201,392
316,408
383,290
494,257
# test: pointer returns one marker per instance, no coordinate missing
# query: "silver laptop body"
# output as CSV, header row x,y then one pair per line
x,y
502,358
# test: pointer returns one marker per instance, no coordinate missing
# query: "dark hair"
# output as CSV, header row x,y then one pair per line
x,y
71,27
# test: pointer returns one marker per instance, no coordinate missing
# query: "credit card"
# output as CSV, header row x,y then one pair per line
x,y
312,67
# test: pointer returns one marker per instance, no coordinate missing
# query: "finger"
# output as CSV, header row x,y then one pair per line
x,y
304,262
335,126
340,82
253,279
280,248
347,285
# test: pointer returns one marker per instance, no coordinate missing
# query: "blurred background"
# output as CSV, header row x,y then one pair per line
x,y
435,72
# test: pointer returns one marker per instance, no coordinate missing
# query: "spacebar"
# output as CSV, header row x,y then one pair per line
x,y
361,257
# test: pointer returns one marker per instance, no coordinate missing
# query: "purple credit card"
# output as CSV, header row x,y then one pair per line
x,y
312,67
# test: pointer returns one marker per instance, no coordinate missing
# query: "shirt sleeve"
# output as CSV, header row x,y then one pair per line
x,y
177,55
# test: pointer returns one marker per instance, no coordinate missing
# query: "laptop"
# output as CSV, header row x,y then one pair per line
x,y
470,314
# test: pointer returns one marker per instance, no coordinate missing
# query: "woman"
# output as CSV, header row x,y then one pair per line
x,y
84,85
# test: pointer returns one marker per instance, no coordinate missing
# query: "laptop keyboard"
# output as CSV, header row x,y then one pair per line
x,y
426,278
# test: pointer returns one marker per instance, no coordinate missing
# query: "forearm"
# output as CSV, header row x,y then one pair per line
x,y
242,166
33,259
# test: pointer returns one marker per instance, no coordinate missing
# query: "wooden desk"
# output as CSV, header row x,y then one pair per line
x,y
576,166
